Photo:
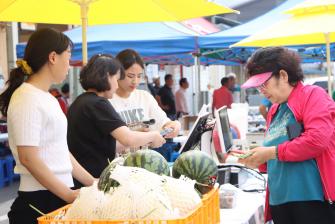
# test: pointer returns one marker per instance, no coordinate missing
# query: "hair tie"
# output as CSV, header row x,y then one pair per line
x,y
24,67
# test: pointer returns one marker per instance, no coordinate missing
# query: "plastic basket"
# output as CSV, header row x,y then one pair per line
x,y
207,213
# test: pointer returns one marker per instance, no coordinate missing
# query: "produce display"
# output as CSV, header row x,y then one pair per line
x,y
105,183
126,192
182,194
140,195
197,166
149,160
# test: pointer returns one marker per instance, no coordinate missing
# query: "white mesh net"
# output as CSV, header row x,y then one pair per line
x,y
87,205
182,194
141,195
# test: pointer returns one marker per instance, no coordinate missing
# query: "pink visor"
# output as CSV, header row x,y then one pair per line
x,y
257,80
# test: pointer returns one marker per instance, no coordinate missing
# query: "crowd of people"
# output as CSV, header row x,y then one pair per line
x,y
58,151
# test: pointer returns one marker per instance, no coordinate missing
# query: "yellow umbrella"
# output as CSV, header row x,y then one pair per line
x,y
312,22
93,12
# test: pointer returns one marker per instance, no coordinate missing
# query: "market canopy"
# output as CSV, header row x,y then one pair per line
x,y
149,39
228,37
93,12
217,45
311,22
158,43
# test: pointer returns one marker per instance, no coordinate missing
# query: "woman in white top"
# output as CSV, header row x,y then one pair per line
x,y
135,105
37,128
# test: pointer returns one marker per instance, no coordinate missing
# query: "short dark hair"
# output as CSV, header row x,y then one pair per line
x,y
182,80
224,80
95,74
274,59
65,88
36,54
167,77
128,58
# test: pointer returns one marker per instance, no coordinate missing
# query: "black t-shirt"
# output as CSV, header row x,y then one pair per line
x,y
167,98
91,119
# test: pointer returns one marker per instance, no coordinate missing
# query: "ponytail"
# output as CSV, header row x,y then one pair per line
x,y
36,54
16,78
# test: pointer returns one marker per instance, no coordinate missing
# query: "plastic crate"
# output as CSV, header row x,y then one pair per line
x,y
206,213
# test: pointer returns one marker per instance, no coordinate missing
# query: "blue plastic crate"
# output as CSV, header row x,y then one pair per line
x,y
5,178
11,164
167,150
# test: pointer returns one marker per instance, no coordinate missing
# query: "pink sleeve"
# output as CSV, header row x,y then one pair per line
x,y
317,115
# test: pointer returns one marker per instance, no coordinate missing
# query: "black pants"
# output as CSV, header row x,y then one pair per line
x,y
304,212
45,201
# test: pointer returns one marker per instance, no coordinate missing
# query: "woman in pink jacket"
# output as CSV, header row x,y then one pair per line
x,y
299,145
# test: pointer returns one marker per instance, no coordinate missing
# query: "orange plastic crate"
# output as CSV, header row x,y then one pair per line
x,y
207,213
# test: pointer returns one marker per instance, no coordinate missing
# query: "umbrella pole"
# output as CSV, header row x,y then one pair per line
x,y
84,9
327,37
196,82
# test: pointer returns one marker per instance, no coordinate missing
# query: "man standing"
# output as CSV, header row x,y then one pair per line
x,y
181,103
165,97
156,85
223,96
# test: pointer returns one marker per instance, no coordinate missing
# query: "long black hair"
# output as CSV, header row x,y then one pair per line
x,y
40,44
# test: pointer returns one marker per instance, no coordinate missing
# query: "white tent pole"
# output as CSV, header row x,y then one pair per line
x,y
198,83
195,84
84,10
327,37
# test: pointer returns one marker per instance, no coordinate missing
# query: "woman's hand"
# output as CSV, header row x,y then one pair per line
x,y
259,156
175,126
158,140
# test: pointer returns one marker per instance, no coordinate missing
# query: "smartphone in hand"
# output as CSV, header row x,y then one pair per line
x,y
166,131
242,155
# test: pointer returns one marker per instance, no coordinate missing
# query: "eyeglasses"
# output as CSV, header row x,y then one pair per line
x,y
263,86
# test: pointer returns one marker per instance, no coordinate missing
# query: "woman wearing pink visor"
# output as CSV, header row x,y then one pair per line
x,y
299,144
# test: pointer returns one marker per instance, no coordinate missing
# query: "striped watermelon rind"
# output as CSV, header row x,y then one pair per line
x,y
105,182
197,166
149,160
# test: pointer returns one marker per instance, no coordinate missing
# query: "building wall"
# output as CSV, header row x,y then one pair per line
x,y
253,9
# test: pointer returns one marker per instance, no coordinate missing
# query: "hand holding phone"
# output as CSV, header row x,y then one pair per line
x,y
166,131
242,155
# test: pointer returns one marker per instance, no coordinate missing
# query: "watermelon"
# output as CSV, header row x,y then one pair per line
x,y
149,160
105,183
197,166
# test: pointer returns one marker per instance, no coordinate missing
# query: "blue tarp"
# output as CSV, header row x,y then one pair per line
x,y
186,60
149,39
157,43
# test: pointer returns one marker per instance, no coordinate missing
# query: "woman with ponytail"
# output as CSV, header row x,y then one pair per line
x,y
37,128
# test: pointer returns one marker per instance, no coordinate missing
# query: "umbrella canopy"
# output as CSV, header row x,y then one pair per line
x,y
94,12
216,45
225,38
312,22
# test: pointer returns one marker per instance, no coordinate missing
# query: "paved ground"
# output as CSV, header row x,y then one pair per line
x,y
7,196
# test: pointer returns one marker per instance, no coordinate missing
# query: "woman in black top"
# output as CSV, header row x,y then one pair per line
x,y
94,125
